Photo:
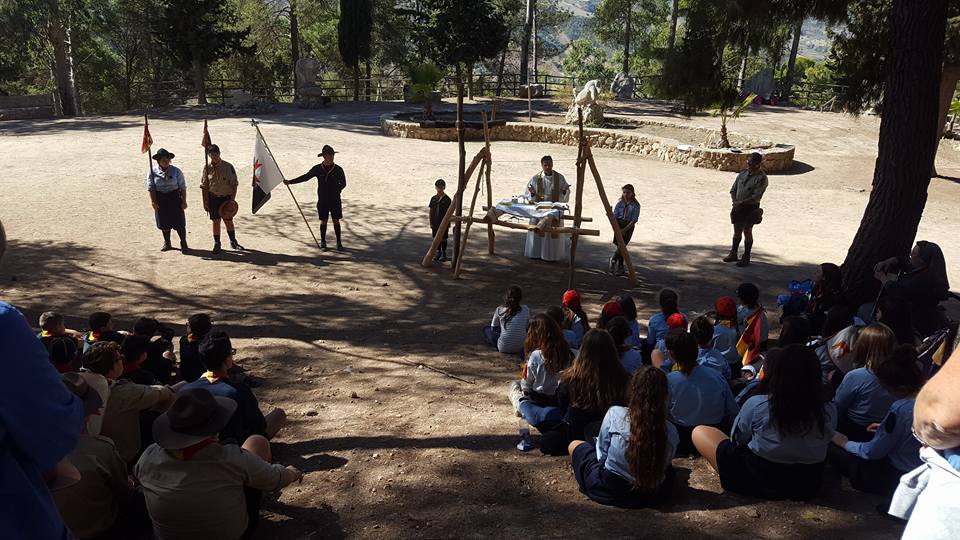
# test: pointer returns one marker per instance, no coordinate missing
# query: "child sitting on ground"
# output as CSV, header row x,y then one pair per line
x,y
778,445
198,326
577,322
861,399
620,331
216,353
876,466
630,313
592,384
62,344
135,350
439,204
630,464
750,308
698,395
657,326
726,333
508,329
659,357
702,331
535,396
160,357
121,416
101,329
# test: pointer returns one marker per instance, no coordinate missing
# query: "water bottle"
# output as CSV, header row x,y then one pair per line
x,y
525,442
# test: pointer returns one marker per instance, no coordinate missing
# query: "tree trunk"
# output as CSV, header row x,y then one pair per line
x,y
907,145
59,35
503,60
295,47
536,48
470,81
356,81
525,44
628,29
743,68
674,16
787,89
461,179
369,75
199,72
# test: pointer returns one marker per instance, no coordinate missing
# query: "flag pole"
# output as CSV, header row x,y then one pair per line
x,y
149,150
267,146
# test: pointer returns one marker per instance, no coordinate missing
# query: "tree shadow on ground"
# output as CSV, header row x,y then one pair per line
x,y
280,520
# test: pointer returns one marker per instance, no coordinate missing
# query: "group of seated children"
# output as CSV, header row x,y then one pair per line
x,y
195,440
623,405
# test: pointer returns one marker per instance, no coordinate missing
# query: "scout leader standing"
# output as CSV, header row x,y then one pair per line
x,y
168,196
219,187
746,193
330,182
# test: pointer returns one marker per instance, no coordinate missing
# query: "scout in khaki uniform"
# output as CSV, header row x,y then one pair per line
x,y
745,195
219,186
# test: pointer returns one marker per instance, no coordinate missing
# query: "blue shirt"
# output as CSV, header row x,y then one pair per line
x,y
657,328
701,398
575,334
862,398
634,339
725,340
165,182
712,358
247,419
627,212
631,360
894,440
614,439
39,424
753,429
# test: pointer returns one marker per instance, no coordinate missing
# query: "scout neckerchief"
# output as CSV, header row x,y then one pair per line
x,y
93,336
47,333
193,338
186,454
210,376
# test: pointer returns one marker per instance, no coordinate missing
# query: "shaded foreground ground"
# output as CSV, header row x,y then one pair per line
x,y
391,449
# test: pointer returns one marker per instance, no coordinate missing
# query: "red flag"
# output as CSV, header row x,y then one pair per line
x,y
147,139
205,143
749,345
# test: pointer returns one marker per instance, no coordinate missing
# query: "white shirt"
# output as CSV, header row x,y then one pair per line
x,y
513,332
548,181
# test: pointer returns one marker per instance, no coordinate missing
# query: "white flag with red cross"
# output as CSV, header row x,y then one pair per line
x,y
266,174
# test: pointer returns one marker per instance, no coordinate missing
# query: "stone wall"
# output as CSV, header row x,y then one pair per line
x,y
777,158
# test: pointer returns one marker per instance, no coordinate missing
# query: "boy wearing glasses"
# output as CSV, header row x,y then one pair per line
x,y
216,354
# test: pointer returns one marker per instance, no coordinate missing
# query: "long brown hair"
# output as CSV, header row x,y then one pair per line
x,y
795,391
647,449
545,334
597,379
511,303
875,344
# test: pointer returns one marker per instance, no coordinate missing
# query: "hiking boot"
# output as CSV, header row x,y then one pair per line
x,y
217,248
437,256
515,395
443,256
166,247
613,264
234,245
184,248
731,257
744,261
323,246
339,246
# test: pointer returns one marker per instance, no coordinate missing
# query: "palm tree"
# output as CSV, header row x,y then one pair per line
x,y
728,110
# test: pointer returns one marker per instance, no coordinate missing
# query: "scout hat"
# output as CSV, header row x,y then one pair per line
x,y
327,149
196,415
213,149
229,209
162,153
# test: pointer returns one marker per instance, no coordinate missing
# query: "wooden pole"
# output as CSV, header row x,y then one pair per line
x,y
428,258
294,197
530,226
146,125
613,220
578,201
491,236
466,232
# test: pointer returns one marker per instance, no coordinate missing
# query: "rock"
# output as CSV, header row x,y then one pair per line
x,y
375,456
753,512
536,91
622,86
310,412
592,114
239,99
353,395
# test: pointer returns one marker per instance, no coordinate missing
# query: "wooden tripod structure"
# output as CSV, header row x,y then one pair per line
x,y
484,161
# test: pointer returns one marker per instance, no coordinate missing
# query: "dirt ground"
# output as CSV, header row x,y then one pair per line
x,y
392,449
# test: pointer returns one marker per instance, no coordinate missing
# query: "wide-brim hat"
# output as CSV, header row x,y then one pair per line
x,y
229,209
163,154
195,416
213,149
327,149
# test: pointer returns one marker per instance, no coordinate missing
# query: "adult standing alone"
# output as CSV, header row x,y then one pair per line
x,y
168,196
219,187
546,186
746,193
331,180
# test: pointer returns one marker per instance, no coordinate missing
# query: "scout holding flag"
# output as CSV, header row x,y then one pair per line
x,y
219,187
168,193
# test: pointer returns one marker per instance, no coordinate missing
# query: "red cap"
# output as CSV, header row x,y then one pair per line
x,y
612,309
676,321
571,299
726,307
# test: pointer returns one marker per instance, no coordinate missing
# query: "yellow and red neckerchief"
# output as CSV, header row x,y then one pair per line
x,y
186,454
210,376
